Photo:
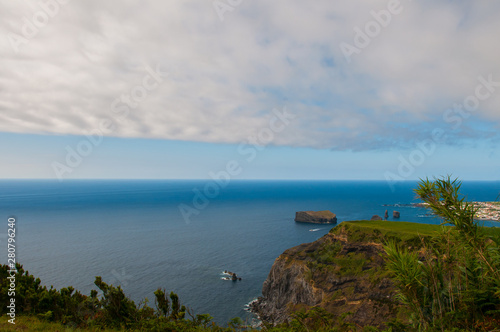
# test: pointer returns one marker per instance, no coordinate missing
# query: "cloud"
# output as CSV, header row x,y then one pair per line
x,y
225,77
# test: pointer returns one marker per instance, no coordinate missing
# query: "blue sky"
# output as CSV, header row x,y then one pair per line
x,y
285,89
32,156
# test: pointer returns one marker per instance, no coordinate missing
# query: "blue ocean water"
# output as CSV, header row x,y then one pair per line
x,y
133,234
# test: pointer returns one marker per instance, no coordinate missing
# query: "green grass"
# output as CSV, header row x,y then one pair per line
x,y
327,253
402,227
321,214
30,323
381,230
350,265
491,231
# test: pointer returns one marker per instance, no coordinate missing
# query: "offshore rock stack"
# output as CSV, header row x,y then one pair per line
x,y
395,215
234,276
316,217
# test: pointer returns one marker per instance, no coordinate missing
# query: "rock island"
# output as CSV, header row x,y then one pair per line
x,y
316,217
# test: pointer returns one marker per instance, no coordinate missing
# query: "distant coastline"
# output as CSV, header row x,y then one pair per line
x,y
485,210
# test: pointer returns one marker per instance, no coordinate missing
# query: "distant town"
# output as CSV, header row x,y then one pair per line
x,y
487,210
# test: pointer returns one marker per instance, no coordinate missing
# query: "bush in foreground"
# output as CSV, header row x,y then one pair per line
x,y
453,281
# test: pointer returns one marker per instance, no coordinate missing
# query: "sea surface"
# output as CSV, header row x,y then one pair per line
x,y
133,234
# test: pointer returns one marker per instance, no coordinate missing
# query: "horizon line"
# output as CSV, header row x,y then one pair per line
x,y
208,179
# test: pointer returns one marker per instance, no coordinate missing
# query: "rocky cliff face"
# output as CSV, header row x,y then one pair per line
x,y
341,272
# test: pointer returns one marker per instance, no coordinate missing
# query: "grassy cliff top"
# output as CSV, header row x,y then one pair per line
x,y
320,214
380,230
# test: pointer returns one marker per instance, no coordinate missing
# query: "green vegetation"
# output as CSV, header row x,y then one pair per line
x,y
379,231
453,281
39,308
404,230
405,233
327,253
321,214
447,276
351,264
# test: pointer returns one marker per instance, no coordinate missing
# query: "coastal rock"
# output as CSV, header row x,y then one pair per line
x,y
396,214
233,276
386,214
316,217
352,279
376,217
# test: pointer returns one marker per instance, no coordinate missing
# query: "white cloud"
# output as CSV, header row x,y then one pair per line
x,y
226,77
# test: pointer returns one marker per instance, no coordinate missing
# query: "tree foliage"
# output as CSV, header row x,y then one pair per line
x,y
112,309
453,279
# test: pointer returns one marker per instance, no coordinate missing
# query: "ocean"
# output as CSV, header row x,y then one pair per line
x,y
133,234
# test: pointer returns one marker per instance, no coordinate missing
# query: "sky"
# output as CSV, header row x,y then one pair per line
x,y
381,90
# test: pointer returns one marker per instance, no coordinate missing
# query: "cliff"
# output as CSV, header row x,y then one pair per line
x,y
341,272
316,217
